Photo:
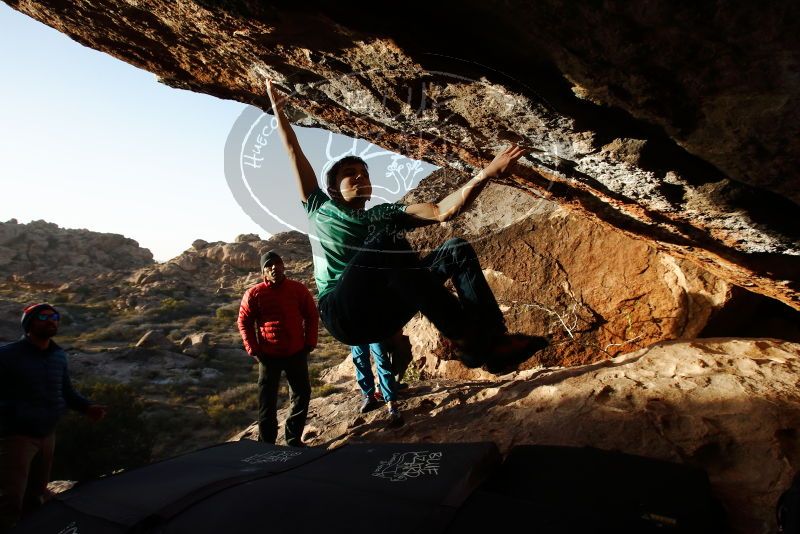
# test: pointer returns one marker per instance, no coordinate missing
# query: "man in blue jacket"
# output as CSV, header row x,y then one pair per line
x,y
35,391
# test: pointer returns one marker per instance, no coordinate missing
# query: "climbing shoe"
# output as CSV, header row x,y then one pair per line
x,y
368,404
395,419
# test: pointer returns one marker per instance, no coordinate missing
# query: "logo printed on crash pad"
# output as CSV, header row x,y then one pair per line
x,y
407,465
271,457
72,528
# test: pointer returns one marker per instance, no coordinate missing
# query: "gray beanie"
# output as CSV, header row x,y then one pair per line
x,y
268,257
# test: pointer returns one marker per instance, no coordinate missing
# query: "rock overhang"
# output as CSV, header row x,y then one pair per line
x,y
675,124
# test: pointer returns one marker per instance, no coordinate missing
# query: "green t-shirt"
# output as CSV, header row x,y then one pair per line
x,y
337,233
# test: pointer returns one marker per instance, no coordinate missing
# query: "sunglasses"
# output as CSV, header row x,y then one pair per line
x,y
48,316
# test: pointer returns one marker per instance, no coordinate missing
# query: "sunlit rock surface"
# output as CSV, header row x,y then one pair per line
x,y
43,252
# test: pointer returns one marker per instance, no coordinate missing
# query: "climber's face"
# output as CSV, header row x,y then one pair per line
x,y
352,183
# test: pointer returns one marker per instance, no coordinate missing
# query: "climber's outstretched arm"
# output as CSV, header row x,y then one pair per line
x,y
459,200
304,173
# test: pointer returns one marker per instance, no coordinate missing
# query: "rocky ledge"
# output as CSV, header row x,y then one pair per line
x,y
730,406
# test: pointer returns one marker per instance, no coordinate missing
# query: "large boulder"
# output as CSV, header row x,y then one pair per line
x,y
594,292
196,344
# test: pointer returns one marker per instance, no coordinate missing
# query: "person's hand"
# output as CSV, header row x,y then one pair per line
x,y
96,412
501,162
276,97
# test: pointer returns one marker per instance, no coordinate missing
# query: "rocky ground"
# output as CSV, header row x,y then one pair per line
x,y
729,406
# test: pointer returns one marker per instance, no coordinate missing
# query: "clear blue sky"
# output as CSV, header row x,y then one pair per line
x,y
88,141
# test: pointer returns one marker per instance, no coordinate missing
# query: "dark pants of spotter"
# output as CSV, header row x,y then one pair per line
x,y
385,284
25,464
269,376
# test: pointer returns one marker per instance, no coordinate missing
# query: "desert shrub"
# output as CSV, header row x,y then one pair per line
x,y
114,332
201,322
166,291
412,375
120,441
171,309
323,390
234,406
171,304
228,313
190,433
318,387
59,298
243,396
83,291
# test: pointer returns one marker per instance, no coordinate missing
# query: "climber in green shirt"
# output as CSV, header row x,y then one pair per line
x,y
371,283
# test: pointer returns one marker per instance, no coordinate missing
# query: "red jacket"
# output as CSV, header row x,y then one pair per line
x,y
278,320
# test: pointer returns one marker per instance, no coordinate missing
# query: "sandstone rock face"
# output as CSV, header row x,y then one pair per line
x,y
43,252
730,406
226,267
204,284
240,255
595,293
674,123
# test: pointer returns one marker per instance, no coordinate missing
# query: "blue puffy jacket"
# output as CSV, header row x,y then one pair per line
x,y
35,389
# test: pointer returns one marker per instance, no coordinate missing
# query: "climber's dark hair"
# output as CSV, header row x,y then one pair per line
x,y
330,176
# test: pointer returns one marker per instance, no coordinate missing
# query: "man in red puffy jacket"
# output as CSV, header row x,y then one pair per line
x,y
278,321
